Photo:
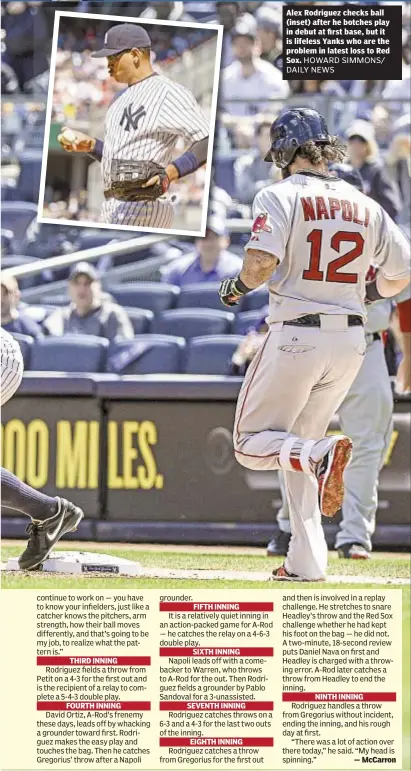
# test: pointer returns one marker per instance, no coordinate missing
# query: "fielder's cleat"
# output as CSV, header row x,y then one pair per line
x,y
329,472
353,551
44,534
278,546
281,574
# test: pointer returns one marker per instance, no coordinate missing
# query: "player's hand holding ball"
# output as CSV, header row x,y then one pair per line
x,y
75,141
232,290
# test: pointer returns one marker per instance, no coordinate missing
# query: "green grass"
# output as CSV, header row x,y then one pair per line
x,y
381,565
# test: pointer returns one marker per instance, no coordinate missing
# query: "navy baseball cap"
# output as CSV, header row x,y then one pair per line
x,y
123,37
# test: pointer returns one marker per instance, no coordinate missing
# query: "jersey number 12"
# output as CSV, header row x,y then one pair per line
x,y
313,273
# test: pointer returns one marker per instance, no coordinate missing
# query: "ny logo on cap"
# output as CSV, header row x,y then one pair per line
x,y
131,119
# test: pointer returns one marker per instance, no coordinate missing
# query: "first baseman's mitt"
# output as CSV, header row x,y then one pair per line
x,y
128,178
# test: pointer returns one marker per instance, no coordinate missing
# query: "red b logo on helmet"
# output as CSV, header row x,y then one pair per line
x,y
260,224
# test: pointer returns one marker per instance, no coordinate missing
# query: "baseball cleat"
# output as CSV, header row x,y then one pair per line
x,y
329,473
353,551
44,534
278,546
281,574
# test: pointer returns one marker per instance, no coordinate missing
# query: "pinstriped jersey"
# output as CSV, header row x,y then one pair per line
x,y
11,366
146,121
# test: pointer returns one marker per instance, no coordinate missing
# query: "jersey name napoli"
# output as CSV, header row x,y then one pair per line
x,y
325,234
146,121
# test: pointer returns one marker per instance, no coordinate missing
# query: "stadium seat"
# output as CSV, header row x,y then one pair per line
x,y
91,240
244,322
162,249
150,295
28,183
200,296
210,355
38,312
25,342
193,322
107,238
141,319
49,241
185,247
6,240
17,216
255,300
14,261
56,299
71,353
7,189
147,354
224,173
237,240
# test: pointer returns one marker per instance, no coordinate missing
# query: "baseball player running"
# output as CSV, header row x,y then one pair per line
x,y
317,235
50,518
143,125
366,415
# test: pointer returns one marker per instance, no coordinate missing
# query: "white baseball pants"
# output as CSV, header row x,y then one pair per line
x,y
290,392
366,417
148,214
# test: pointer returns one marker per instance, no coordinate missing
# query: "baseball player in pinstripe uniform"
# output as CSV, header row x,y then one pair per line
x,y
142,127
50,518
11,366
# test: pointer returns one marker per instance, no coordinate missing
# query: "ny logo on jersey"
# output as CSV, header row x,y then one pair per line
x,y
131,119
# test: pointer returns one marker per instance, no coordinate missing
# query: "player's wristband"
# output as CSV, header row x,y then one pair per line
x,y
241,287
195,157
371,292
97,153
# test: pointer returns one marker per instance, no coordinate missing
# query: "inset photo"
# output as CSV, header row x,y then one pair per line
x,y
130,124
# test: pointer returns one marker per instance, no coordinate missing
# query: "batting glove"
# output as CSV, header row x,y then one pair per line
x,y
232,290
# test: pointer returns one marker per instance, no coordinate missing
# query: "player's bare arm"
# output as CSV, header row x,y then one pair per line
x,y
257,268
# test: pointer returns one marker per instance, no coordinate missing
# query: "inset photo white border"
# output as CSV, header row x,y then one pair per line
x,y
218,28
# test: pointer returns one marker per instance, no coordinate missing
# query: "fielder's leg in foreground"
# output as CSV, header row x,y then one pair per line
x,y
50,518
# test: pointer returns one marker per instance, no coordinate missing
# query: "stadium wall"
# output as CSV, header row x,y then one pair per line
x,y
150,459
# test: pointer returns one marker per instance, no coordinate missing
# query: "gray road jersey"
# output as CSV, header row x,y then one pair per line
x,y
325,234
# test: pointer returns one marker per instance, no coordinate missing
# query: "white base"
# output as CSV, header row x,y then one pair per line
x,y
83,562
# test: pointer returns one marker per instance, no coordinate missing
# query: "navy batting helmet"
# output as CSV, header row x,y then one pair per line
x,y
290,130
349,174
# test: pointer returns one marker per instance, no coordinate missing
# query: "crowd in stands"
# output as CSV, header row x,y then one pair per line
x,y
251,93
